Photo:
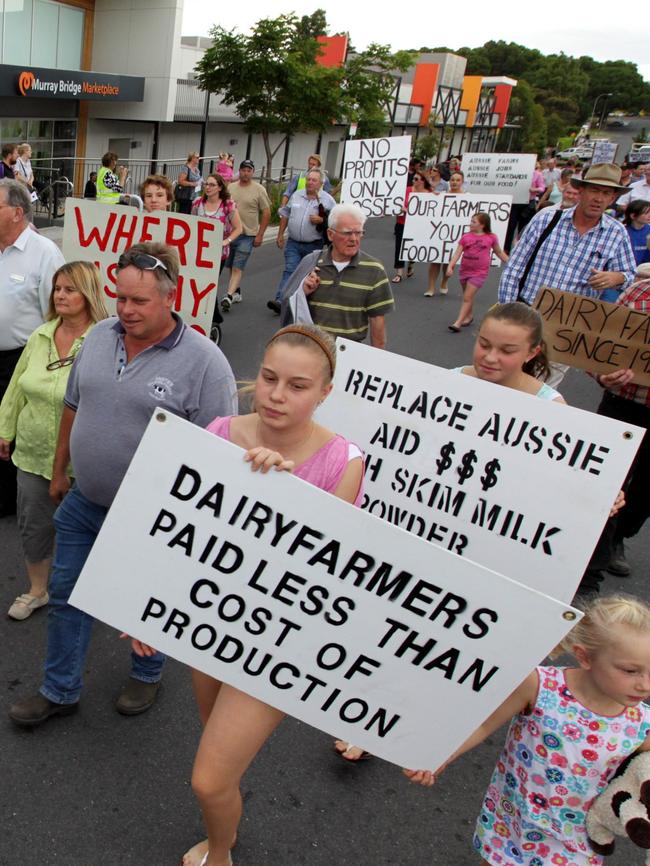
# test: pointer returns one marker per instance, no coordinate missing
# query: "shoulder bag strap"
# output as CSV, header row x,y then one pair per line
x,y
547,231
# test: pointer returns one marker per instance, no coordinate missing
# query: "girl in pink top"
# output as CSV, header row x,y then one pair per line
x,y
281,434
476,247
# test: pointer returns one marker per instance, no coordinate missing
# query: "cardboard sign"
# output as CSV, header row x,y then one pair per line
x,y
522,485
375,171
504,173
436,223
100,233
307,603
594,335
604,151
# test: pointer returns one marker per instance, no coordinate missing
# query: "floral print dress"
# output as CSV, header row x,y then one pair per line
x,y
556,760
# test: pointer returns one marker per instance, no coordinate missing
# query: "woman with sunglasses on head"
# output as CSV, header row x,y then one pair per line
x,y
216,203
30,414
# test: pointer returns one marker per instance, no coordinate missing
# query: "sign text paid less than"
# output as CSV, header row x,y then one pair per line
x,y
522,485
375,172
307,603
594,335
100,233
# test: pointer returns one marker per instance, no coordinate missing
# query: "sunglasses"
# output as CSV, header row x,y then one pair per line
x,y
60,362
142,261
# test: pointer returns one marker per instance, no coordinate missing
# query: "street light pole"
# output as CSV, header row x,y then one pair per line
x,y
593,110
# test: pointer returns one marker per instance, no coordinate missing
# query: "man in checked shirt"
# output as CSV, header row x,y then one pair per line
x,y
586,252
631,404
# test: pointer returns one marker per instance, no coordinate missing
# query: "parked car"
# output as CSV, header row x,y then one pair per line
x,y
582,152
616,122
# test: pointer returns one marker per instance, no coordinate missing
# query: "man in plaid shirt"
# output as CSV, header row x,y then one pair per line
x,y
631,404
587,252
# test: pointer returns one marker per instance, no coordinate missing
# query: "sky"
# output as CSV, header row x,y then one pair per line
x,y
595,30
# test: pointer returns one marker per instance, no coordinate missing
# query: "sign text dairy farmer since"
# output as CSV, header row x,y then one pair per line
x,y
100,233
307,603
520,485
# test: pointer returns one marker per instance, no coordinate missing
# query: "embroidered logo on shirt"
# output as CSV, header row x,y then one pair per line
x,y
161,388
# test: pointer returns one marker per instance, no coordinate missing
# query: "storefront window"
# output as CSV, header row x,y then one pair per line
x,y
53,142
41,33
17,35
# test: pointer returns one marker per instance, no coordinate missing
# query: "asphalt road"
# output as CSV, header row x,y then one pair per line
x,y
98,789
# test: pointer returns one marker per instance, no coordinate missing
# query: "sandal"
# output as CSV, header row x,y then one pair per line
x,y
454,329
409,271
429,294
467,323
397,278
205,859
364,756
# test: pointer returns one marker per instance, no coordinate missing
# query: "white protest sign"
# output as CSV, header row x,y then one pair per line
x,y
504,173
375,172
522,485
436,223
604,151
639,156
307,603
100,233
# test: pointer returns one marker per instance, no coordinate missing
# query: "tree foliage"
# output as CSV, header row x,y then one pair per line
x,y
563,87
274,81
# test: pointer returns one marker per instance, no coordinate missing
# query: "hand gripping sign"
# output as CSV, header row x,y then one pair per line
x,y
521,485
307,603
100,233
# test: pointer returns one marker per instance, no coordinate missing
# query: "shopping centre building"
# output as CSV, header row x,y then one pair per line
x,y
80,77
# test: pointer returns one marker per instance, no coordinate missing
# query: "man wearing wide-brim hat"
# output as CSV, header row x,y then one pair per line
x,y
586,251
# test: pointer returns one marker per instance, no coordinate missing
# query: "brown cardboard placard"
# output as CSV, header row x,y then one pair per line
x,y
594,335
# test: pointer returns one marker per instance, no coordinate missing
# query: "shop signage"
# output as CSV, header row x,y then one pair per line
x,y
32,81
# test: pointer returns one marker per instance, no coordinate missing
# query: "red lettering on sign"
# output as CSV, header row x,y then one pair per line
x,y
198,296
202,244
178,240
110,274
125,233
94,235
145,234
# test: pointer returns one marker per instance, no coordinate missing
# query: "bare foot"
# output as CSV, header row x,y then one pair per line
x,y
350,752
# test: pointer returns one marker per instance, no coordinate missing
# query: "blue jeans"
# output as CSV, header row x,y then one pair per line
x,y
294,253
77,521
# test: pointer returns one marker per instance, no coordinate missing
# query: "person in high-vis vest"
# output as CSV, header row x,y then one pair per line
x,y
298,181
109,184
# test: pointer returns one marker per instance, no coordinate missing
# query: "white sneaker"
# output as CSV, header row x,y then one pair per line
x,y
236,298
25,605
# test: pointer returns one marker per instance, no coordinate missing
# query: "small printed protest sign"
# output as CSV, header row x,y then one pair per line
x,y
594,335
520,485
375,172
436,223
499,173
308,603
604,151
100,233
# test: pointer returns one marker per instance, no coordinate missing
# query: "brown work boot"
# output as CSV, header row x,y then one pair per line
x,y
136,697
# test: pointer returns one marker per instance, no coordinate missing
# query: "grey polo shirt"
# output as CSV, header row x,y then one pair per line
x,y
185,373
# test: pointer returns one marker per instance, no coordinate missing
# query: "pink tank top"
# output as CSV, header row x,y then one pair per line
x,y
323,469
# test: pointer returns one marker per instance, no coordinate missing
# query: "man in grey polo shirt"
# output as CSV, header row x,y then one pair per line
x,y
127,366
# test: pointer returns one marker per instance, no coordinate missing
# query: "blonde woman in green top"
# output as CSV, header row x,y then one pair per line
x,y
30,414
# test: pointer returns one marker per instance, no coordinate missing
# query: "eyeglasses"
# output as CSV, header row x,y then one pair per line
x,y
143,261
60,362
350,233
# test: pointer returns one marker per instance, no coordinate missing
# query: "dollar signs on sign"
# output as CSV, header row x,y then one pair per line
x,y
466,468
489,478
444,461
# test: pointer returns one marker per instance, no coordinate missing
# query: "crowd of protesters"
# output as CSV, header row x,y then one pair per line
x,y
63,361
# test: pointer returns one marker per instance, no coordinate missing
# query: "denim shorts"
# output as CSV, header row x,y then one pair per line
x,y
240,250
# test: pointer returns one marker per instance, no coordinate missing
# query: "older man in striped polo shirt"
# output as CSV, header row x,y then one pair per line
x,y
347,290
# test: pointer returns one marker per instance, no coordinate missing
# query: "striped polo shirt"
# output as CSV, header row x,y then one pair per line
x,y
346,299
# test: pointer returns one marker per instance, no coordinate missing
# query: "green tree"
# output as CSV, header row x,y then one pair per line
x,y
273,79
